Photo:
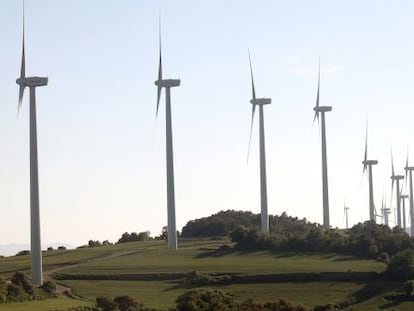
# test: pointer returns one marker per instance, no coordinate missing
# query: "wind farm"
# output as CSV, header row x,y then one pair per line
x,y
97,167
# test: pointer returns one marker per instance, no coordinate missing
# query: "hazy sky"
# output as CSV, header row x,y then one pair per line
x,y
102,155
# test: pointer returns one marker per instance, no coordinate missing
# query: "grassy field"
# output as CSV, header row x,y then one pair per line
x,y
61,303
163,294
143,258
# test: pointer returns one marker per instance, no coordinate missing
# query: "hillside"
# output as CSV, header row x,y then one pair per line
x,y
149,273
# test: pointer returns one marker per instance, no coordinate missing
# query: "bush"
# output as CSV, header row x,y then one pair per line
x,y
126,303
105,304
3,291
401,266
22,280
409,287
49,288
61,248
205,299
23,253
16,293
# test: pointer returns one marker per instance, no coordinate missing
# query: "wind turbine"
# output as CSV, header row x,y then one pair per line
x,y
35,244
403,197
168,84
385,212
264,217
396,178
346,209
409,171
325,196
368,164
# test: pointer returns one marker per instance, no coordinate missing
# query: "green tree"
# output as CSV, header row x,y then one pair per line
x,y
401,266
205,299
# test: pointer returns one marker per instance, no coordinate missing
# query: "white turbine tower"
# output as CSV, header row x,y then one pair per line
x,y
264,216
168,84
35,244
396,178
404,223
368,164
385,212
346,209
325,195
409,171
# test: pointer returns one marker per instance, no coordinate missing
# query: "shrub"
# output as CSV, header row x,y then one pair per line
x,y
401,266
49,288
409,287
105,304
23,253
22,280
205,299
126,303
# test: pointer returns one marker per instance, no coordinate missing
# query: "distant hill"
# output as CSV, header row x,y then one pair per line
x,y
223,222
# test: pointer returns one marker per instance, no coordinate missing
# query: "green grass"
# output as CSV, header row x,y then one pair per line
x,y
201,255
60,303
193,257
163,294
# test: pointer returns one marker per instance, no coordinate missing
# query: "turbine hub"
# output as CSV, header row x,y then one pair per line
x,y
261,101
32,81
168,82
370,162
322,108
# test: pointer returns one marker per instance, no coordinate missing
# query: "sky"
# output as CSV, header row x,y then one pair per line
x,y
102,152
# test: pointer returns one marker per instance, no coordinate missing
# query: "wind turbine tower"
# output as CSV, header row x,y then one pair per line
x,y
396,178
35,244
403,197
168,84
346,209
264,216
325,195
368,164
409,171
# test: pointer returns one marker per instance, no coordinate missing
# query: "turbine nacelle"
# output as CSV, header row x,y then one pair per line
x,y
370,162
32,81
261,101
409,168
322,108
397,177
168,82
404,196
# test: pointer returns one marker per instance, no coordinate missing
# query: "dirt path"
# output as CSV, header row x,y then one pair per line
x,y
64,290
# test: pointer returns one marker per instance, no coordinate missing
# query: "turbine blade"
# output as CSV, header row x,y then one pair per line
x,y
406,167
251,132
159,72
251,75
366,149
22,70
392,172
317,95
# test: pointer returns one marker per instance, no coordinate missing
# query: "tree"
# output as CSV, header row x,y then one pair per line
x,y
205,299
126,303
409,287
401,266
